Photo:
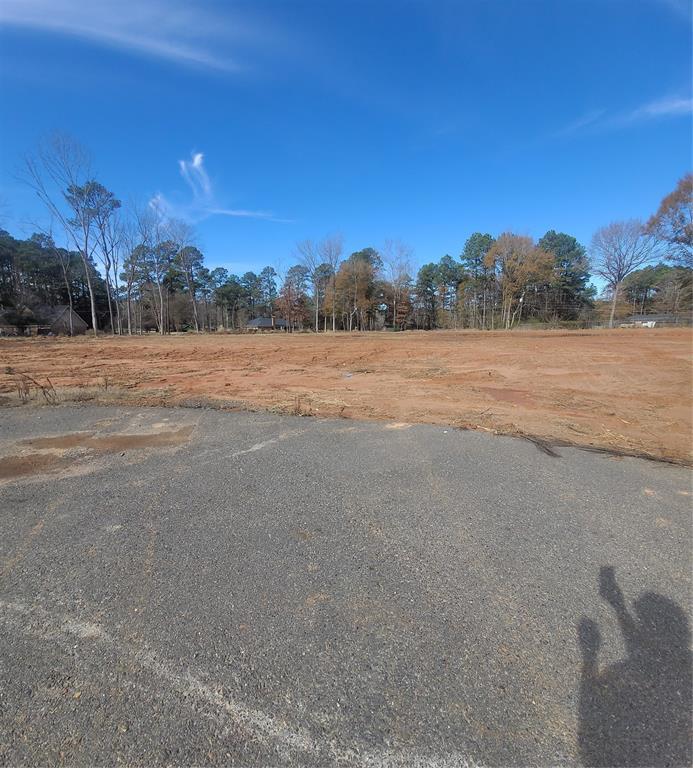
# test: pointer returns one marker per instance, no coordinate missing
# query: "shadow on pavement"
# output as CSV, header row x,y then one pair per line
x,y
637,712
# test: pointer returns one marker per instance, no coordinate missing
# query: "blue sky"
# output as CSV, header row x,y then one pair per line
x,y
267,123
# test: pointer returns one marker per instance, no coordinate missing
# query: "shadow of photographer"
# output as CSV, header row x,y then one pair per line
x,y
637,712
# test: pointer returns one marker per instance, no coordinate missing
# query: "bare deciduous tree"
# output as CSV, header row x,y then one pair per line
x,y
619,249
120,252
397,260
60,172
129,242
330,250
107,231
309,256
154,255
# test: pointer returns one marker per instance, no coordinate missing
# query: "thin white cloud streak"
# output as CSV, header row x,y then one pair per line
x,y
243,214
666,107
588,119
681,8
203,203
194,173
599,120
186,34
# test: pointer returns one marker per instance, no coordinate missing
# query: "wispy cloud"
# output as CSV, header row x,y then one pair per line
x,y
244,214
681,8
599,120
582,122
184,33
204,203
669,106
194,173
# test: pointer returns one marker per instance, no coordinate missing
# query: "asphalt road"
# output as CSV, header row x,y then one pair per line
x,y
264,590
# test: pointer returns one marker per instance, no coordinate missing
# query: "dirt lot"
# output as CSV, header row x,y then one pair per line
x,y
627,390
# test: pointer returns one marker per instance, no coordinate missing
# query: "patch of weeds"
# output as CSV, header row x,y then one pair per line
x,y
24,383
82,394
298,409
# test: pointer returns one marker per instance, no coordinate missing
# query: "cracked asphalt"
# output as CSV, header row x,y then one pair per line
x,y
262,590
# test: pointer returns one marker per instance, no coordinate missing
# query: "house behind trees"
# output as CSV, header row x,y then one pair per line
x,y
61,320
267,324
43,321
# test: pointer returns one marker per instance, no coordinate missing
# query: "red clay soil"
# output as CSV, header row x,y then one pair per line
x,y
627,390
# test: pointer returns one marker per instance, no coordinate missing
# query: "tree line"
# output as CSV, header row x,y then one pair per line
x,y
136,269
